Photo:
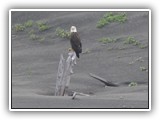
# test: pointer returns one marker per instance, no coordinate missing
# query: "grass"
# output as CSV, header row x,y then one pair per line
x,y
42,39
31,28
19,27
131,40
22,27
62,33
41,22
111,17
128,40
132,84
142,68
31,31
34,37
42,25
106,40
143,46
29,23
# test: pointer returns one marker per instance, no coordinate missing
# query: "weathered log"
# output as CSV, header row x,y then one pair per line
x,y
60,76
107,83
64,71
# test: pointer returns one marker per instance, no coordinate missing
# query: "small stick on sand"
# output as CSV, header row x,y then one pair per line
x,y
107,83
78,93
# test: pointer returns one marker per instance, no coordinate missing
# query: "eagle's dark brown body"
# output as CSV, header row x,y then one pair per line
x,y
76,43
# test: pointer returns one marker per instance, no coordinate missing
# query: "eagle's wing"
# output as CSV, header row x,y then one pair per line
x,y
79,42
76,42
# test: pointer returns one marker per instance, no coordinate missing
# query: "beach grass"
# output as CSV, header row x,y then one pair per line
x,y
62,33
111,17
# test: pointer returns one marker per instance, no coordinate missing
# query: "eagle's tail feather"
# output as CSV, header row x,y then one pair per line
x,y
77,54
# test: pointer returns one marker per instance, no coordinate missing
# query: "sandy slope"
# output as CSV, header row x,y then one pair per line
x,y
35,63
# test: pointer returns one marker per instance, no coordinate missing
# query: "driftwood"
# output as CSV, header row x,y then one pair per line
x,y
107,83
60,76
64,72
78,93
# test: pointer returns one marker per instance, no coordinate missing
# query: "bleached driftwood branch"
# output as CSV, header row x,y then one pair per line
x,y
60,76
65,69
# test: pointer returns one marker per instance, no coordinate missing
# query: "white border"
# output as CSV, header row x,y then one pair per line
x,y
150,77
10,60
80,109
80,10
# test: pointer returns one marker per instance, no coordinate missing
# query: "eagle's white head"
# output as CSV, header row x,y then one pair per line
x,y
73,29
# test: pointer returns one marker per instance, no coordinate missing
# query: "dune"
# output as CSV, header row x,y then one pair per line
x,y
35,62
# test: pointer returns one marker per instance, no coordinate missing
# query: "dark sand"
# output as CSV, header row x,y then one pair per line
x,y
35,62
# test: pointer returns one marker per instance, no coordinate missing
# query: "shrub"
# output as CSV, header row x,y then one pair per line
x,y
62,33
132,84
34,37
143,46
131,40
143,68
42,25
106,40
31,31
29,23
110,17
19,27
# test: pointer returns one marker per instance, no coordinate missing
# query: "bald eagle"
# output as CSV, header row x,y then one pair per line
x,y
75,41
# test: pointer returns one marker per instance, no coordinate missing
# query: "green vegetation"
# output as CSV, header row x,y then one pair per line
x,y
132,84
106,40
42,39
41,22
143,46
22,27
29,23
111,17
142,68
31,31
31,28
19,27
42,25
34,37
62,33
131,40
